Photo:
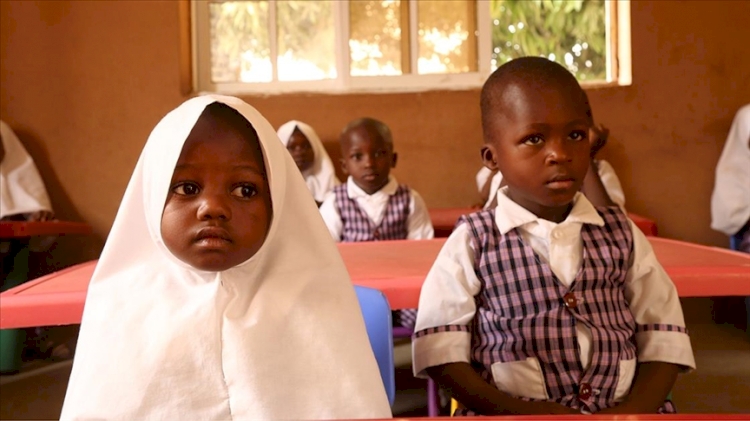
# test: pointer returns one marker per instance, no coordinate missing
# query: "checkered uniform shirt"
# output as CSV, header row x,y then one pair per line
x,y
524,311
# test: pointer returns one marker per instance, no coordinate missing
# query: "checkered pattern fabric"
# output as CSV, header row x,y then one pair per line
x,y
524,311
358,227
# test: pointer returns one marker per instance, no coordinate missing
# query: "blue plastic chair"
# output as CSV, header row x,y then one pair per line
x,y
377,315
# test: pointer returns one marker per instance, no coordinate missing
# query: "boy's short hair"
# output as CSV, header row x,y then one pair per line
x,y
522,71
370,123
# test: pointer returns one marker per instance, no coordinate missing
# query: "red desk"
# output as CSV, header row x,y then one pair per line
x,y
10,229
397,268
444,219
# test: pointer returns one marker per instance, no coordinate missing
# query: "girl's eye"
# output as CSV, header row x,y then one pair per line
x,y
357,157
533,140
578,135
186,189
246,191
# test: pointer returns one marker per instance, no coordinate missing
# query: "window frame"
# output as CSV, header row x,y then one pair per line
x,y
617,18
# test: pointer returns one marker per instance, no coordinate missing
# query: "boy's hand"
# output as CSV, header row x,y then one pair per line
x,y
598,135
40,216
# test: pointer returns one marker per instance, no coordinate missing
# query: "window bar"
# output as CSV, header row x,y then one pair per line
x,y
484,37
406,36
471,40
413,34
341,19
273,40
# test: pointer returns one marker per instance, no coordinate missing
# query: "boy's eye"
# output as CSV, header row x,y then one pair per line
x,y
579,135
186,189
245,190
533,140
357,156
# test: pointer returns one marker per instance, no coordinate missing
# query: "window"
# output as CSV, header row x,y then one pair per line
x,y
273,46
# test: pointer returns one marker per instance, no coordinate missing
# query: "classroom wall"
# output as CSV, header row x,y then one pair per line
x,y
83,83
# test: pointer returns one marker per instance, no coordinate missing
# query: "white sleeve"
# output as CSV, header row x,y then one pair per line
x,y
447,306
660,326
611,183
730,201
331,216
419,224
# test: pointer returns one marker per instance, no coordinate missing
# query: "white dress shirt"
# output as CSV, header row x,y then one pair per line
x,y
730,202
447,296
418,224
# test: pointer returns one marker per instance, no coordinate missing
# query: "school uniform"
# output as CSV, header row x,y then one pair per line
x,y
730,202
321,176
545,311
279,336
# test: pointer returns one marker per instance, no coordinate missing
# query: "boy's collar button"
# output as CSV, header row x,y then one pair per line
x,y
570,300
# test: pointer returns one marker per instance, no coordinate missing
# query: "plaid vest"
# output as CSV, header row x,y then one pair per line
x,y
523,310
358,227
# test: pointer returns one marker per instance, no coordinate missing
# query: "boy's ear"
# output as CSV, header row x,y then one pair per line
x,y
488,157
394,158
342,161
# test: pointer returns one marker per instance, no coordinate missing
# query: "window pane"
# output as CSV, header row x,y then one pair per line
x,y
447,42
570,32
375,37
306,44
240,50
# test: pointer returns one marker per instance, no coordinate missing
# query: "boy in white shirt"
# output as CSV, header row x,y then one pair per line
x,y
547,304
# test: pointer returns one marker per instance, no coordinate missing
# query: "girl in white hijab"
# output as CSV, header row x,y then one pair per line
x,y
310,156
219,294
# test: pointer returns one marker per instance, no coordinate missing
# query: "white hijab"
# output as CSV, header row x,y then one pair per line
x,y
279,336
730,202
21,188
321,177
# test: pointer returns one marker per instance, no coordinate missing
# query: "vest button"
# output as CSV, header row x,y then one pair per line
x,y
376,234
584,392
570,300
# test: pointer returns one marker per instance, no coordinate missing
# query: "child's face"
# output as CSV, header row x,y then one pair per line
x,y
301,150
539,141
367,157
218,210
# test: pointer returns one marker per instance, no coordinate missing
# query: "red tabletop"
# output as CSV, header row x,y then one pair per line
x,y
642,417
9,229
444,219
397,268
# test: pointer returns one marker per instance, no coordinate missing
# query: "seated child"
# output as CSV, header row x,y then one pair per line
x,y
372,206
219,294
310,156
601,186
547,304
730,202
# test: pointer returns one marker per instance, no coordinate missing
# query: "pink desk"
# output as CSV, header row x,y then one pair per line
x,y
671,417
397,268
444,219
43,228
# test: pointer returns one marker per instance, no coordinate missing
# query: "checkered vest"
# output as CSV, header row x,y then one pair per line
x,y
524,311
358,227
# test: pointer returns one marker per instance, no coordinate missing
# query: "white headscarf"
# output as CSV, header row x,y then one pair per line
x,y
279,336
730,202
21,188
321,177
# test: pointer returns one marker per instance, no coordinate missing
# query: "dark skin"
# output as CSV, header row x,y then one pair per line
x,y
218,211
367,156
301,150
537,137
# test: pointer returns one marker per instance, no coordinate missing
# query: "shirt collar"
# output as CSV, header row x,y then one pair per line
x,y
353,190
509,214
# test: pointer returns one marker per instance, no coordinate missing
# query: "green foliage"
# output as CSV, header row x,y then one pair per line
x,y
570,32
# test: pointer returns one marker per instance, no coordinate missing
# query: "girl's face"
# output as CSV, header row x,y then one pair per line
x,y
218,211
301,150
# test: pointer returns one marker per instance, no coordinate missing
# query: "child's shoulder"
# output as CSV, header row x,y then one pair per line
x,y
479,223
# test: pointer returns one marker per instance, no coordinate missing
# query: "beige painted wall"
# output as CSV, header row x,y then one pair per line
x,y
83,83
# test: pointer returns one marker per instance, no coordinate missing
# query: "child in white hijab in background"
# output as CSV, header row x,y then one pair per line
x,y
219,294
310,156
